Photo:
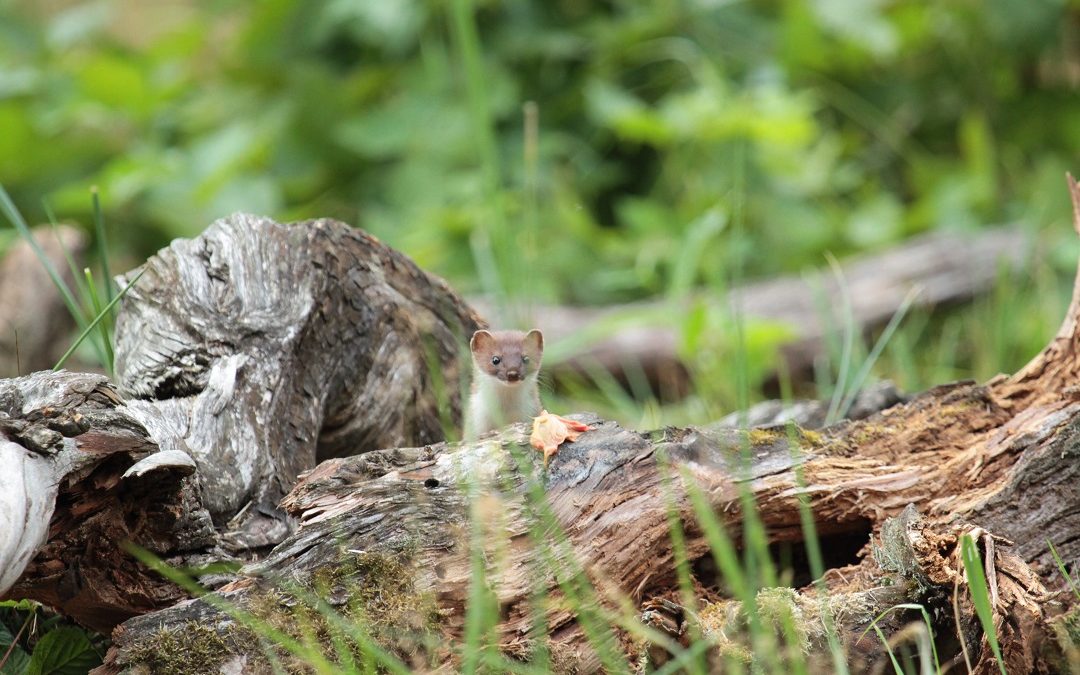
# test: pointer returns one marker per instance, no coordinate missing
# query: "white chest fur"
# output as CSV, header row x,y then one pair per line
x,y
494,404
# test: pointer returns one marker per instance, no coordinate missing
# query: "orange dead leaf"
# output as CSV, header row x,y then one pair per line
x,y
549,431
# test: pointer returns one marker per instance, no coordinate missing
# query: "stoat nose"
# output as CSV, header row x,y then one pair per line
x,y
513,375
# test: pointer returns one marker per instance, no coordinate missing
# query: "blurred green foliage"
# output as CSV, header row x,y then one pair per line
x,y
672,145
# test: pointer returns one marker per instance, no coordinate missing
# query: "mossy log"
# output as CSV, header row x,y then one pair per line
x,y
392,538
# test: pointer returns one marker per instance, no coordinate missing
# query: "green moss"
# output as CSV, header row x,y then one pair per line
x,y
1067,631
192,648
376,591
794,620
764,436
810,437
781,608
867,433
774,435
724,623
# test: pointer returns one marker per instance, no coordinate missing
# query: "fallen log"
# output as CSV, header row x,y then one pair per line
x,y
943,267
391,537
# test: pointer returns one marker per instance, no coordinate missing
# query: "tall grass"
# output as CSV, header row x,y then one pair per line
x,y
980,595
89,307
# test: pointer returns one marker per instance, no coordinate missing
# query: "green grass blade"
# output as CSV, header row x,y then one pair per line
x,y
682,563
16,219
77,313
260,627
813,552
370,650
478,609
720,545
739,580
888,648
102,246
72,267
492,236
354,629
875,353
840,389
692,654
103,325
561,562
98,318
980,596
1064,572
926,620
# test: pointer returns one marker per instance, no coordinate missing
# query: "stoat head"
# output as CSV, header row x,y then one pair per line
x,y
509,356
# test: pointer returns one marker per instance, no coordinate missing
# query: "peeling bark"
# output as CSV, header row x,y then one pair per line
x,y
80,477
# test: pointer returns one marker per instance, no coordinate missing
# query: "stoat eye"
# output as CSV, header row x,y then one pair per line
x,y
495,360
524,359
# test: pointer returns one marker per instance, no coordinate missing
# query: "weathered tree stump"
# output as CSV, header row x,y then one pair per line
x,y
263,386
248,353
263,347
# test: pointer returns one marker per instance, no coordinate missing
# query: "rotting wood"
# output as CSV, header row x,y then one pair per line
x,y
80,476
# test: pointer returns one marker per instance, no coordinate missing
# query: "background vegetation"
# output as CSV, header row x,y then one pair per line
x,y
572,152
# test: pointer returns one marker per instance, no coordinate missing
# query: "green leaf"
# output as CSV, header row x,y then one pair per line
x,y
64,651
17,661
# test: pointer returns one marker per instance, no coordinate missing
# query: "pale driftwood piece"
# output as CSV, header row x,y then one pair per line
x,y
945,267
32,311
266,347
80,476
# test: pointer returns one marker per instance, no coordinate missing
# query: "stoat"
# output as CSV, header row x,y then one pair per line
x,y
505,387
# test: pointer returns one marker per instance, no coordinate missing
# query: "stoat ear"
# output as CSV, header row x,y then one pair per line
x,y
481,340
536,339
